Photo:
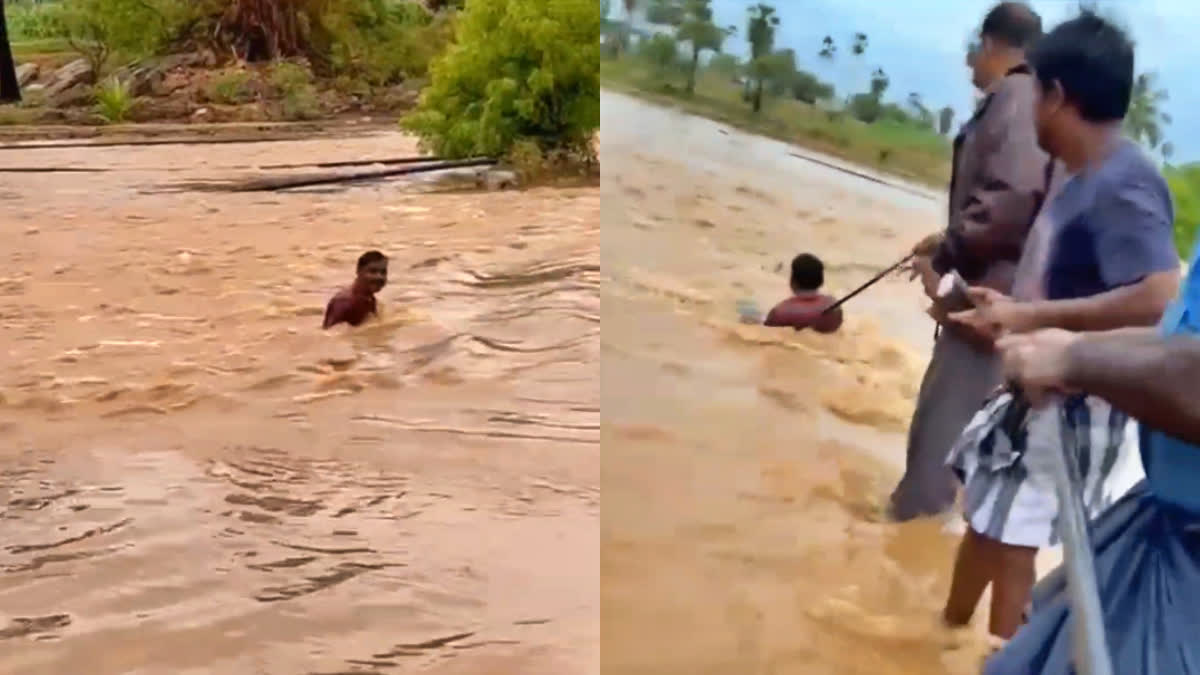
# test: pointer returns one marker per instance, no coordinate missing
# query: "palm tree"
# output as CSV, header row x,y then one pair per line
x,y
1145,120
945,120
699,30
879,83
630,8
760,31
828,49
859,46
1167,150
10,89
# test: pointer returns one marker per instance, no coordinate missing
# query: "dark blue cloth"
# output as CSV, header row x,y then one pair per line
x,y
1112,226
1148,570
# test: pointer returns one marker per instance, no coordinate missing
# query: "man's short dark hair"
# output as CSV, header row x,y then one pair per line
x,y
1013,24
370,257
1092,59
808,273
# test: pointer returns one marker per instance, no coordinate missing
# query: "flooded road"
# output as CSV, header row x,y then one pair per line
x,y
194,478
745,469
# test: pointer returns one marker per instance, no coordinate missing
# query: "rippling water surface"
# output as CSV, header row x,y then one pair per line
x,y
194,478
745,469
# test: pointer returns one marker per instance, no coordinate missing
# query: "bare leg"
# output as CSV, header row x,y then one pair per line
x,y
974,568
1012,588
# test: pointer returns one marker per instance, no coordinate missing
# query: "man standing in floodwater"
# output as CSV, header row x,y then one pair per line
x,y
1101,256
1000,178
356,302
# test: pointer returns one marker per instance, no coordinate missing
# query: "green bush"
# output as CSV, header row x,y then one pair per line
x,y
35,20
810,88
114,101
520,70
661,52
293,83
865,107
385,42
127,29
230,88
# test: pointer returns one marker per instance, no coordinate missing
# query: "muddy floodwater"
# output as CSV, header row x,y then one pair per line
x,y
194,478
745,469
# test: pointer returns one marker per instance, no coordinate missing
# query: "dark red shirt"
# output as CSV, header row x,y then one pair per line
x,y
350,306
804,311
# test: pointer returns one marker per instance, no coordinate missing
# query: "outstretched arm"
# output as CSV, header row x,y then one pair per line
x,y
1149,377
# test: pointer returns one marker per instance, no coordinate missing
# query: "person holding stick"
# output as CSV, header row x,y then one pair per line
x,y
999,181
1147,558
1101,256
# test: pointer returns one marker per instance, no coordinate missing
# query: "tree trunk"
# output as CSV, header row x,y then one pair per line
x,y
691,83
758,95
10,89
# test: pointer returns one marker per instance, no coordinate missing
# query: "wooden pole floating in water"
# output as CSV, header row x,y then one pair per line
x,y
282,138
355,162
387,161
49,169
286,182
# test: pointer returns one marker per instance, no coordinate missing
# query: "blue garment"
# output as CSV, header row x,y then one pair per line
x,y
1112,226
1148,572
1173,466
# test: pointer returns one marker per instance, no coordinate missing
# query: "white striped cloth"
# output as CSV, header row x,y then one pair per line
x,y
1002,458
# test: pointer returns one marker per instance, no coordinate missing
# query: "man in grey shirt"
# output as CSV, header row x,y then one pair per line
x,y
1100,256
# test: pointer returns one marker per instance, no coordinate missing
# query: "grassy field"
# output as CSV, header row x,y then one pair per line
x,y
900,149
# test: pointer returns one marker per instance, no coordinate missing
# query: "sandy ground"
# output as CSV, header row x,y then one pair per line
x,y
745,469
197,479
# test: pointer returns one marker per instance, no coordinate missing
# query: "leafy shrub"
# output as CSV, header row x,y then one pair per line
x,y
231,87
661,51
726,65
114,101
386,42
293,83
527,160
809,88
35,20
130,29
520,70
865,107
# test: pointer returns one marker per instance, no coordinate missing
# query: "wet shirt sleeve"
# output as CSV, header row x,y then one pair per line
x,y
1007,190
1133,226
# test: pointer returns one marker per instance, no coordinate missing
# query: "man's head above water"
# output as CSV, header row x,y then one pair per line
x,y
372,272
1085,74
1007,32
808,273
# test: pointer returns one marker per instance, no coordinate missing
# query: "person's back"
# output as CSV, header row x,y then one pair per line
x,y
806,308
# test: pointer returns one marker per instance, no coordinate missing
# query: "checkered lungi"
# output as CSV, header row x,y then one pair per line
x,y
1003,460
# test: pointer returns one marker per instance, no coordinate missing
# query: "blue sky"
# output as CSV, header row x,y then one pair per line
x,y
920,44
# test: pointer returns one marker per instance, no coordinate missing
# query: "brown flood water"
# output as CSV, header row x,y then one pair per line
x,y
745,469
195,479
